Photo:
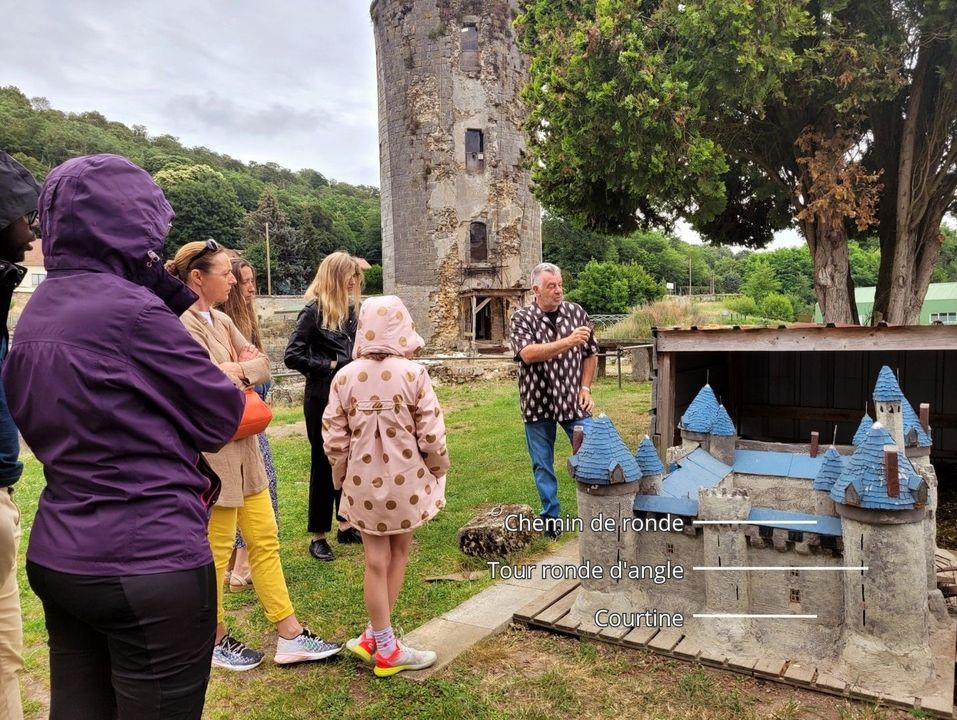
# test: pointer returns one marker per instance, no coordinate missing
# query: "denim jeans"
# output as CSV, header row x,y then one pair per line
x,y
540,436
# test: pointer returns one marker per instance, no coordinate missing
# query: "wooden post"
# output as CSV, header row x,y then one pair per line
x,y
665,403
268,266
815,443
891,471
925,416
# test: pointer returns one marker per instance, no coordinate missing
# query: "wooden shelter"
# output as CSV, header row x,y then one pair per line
x,y
781,384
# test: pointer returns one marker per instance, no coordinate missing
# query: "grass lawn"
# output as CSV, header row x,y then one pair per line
x,y
521,674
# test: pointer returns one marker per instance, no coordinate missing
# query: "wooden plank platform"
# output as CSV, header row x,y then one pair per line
x,y
551,612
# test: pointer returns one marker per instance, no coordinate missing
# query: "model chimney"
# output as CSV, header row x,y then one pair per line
x,y
815,443
925,416
891,475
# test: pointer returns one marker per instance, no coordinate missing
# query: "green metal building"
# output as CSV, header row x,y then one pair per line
x,y
940,304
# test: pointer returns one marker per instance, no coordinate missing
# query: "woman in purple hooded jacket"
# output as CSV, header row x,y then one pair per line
x,y
117,401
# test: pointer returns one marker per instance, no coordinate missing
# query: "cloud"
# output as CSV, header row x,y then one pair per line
x,y
219,113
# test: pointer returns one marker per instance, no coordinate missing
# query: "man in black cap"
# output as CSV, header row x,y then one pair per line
x,y
18,218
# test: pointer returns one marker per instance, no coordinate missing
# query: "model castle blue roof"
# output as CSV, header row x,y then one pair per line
x,y
702,411
830,471
696,470
862,430
603,452
912,425
864,471
722,425
887,388
647,459
706,415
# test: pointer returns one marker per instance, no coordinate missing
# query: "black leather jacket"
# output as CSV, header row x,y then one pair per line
x,y
312,348
10,277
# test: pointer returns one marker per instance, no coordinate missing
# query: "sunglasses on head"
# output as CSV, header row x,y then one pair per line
x,y
211,246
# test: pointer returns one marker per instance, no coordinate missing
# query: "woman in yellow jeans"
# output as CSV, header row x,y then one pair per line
x,y
205,267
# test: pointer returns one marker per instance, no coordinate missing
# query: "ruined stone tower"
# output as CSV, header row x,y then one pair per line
x,y
460,228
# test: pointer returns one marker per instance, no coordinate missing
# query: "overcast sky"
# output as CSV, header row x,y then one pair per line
x,y
287,81
284,81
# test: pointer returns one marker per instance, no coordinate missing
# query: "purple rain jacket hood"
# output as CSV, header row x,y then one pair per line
x,y
102,213
111,393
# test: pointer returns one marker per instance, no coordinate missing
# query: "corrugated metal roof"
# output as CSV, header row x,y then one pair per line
x,y
696,470
777,464
662,504
601,452
935,291
825,524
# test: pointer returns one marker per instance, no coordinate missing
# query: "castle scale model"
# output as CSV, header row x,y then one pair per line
x,y
819,564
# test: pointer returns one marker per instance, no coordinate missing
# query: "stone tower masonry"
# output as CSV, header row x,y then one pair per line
x,y
460,227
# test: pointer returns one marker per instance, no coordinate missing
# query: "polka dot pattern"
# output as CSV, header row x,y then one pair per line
x,y
374,425
549,390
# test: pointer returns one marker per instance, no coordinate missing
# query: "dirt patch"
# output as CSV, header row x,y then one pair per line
x,y
537,674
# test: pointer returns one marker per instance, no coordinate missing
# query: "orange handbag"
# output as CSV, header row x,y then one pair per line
x,y
256,416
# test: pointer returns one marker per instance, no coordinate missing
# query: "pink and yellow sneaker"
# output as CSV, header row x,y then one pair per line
x,y
363,646
403,658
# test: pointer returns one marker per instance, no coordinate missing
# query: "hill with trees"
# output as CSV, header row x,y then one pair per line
x,y
214,195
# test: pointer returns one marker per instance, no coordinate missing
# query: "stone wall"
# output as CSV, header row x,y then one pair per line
x,y
429,199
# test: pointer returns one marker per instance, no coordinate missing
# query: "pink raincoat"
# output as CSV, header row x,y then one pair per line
x,y
383,429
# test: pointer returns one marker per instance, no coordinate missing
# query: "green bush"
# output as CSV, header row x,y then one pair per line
x,y
609,287
373,281
777,307
743,305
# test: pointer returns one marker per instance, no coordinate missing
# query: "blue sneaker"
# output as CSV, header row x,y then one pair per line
x,y
234,655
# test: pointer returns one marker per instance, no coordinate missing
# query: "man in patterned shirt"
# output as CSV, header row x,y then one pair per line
x,y
557,352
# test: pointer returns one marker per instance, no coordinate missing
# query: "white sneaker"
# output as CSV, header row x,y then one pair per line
x,y
305,647
404,658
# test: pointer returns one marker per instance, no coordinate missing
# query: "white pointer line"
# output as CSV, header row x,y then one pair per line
x,y
776,567
756,615
769,523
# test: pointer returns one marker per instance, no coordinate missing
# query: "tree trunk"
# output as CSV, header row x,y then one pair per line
x,y
827,242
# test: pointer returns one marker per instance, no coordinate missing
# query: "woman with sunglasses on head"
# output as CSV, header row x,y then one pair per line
x,y
116,400
205,268
320,345
239,307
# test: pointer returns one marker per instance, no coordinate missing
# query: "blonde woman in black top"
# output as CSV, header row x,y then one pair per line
x,y
321,344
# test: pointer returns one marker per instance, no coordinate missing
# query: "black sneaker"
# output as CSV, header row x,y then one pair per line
x,y
350,536
234,655
551,531
320,550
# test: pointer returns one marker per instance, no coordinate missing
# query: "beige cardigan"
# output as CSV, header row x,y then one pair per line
x,y
239,464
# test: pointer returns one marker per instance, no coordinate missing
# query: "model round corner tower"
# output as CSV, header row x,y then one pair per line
x,y
460,228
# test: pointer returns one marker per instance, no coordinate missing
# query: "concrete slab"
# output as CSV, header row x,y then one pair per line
x,y
831,683
739,663
940,705
799,674
770,666
666,640
640,636
448,639
688,649
493,607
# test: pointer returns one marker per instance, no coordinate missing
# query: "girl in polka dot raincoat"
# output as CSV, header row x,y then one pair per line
x,y
384,434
